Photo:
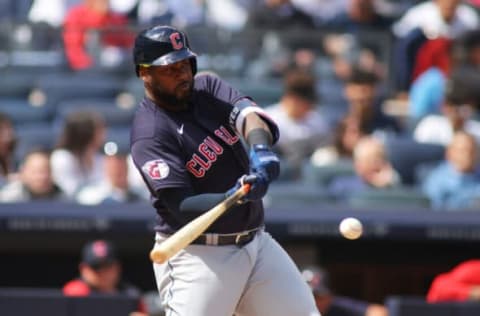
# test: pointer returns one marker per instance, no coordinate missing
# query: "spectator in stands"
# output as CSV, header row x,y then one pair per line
x,y
80,25
330,304
359,15
347,134
7,149
51,12
34,182
115,186
446,18
320,10
458,111
470,50
303,128
77,160
101,273
372,171
455,184
278,15
361,93
460,284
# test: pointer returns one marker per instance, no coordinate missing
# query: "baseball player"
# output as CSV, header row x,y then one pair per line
x,y
195,139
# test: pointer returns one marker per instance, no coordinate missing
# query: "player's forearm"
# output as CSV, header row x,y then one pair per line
x,y
257,131
179,200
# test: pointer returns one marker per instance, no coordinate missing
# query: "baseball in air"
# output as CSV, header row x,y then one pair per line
x,y
351,228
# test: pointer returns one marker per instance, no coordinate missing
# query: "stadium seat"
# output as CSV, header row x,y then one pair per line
x,y
65,86
294,194
395,198
21,112
34,136
322,175
16,84
406,155
113,116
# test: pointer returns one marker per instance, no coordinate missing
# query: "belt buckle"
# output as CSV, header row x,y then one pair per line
x,y
239,236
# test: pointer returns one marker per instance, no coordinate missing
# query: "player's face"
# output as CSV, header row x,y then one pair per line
x,y
171,85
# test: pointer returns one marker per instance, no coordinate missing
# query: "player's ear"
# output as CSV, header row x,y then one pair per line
x,y
144,74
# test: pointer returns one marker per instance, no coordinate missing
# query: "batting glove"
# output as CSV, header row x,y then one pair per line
x,y
258,189
264,163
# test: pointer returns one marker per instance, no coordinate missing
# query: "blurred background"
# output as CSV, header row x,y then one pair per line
x,y
377,103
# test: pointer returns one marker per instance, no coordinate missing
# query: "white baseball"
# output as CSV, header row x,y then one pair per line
x,y
351,228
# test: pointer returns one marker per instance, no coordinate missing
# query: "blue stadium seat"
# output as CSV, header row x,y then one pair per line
x,y
294,194
113,116
66,86
321,176
34,136
21,112
406,155
16,84
394,198
120,136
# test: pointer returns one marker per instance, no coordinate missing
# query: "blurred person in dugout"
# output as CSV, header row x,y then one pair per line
x,y
460,284
455,183
7,149
34,182
330,304
94,35
372,171
100,272
303,128
77,161
115,187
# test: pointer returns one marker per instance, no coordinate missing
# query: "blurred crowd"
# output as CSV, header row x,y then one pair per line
x,y
371,96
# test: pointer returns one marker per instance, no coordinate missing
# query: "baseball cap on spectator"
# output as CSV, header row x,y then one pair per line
x,y
317,279
99,253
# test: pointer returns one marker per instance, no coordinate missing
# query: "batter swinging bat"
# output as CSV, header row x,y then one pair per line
x,y
188,233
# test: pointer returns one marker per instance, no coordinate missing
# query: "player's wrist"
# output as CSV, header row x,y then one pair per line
x,y
259,139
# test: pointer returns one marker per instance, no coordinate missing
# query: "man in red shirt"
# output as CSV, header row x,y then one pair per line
x,y
100,273
462,283
94,15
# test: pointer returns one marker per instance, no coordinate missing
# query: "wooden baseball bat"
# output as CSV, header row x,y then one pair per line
x,y
188,233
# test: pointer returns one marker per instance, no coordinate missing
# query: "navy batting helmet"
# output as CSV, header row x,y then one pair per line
x,y
160,46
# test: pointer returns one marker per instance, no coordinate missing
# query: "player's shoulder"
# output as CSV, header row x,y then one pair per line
x,y
208,81
148,121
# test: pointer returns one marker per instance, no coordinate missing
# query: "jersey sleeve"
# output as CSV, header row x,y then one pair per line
x,y
241,104
160,163
218,88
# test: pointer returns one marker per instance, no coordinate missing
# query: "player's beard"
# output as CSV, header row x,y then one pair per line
x,y
178,100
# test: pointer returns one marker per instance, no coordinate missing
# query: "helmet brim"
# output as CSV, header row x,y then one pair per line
x,y
173,57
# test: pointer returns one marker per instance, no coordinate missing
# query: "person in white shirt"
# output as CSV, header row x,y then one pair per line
x,y
445,18
115,187
458,112
77,160
302,127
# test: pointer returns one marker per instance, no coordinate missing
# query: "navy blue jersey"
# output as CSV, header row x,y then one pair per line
x,y
195,149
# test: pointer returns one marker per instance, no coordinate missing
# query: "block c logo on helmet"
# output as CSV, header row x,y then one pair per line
x,y
176,40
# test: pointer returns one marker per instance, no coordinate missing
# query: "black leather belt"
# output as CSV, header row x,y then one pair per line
x,y
239,239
